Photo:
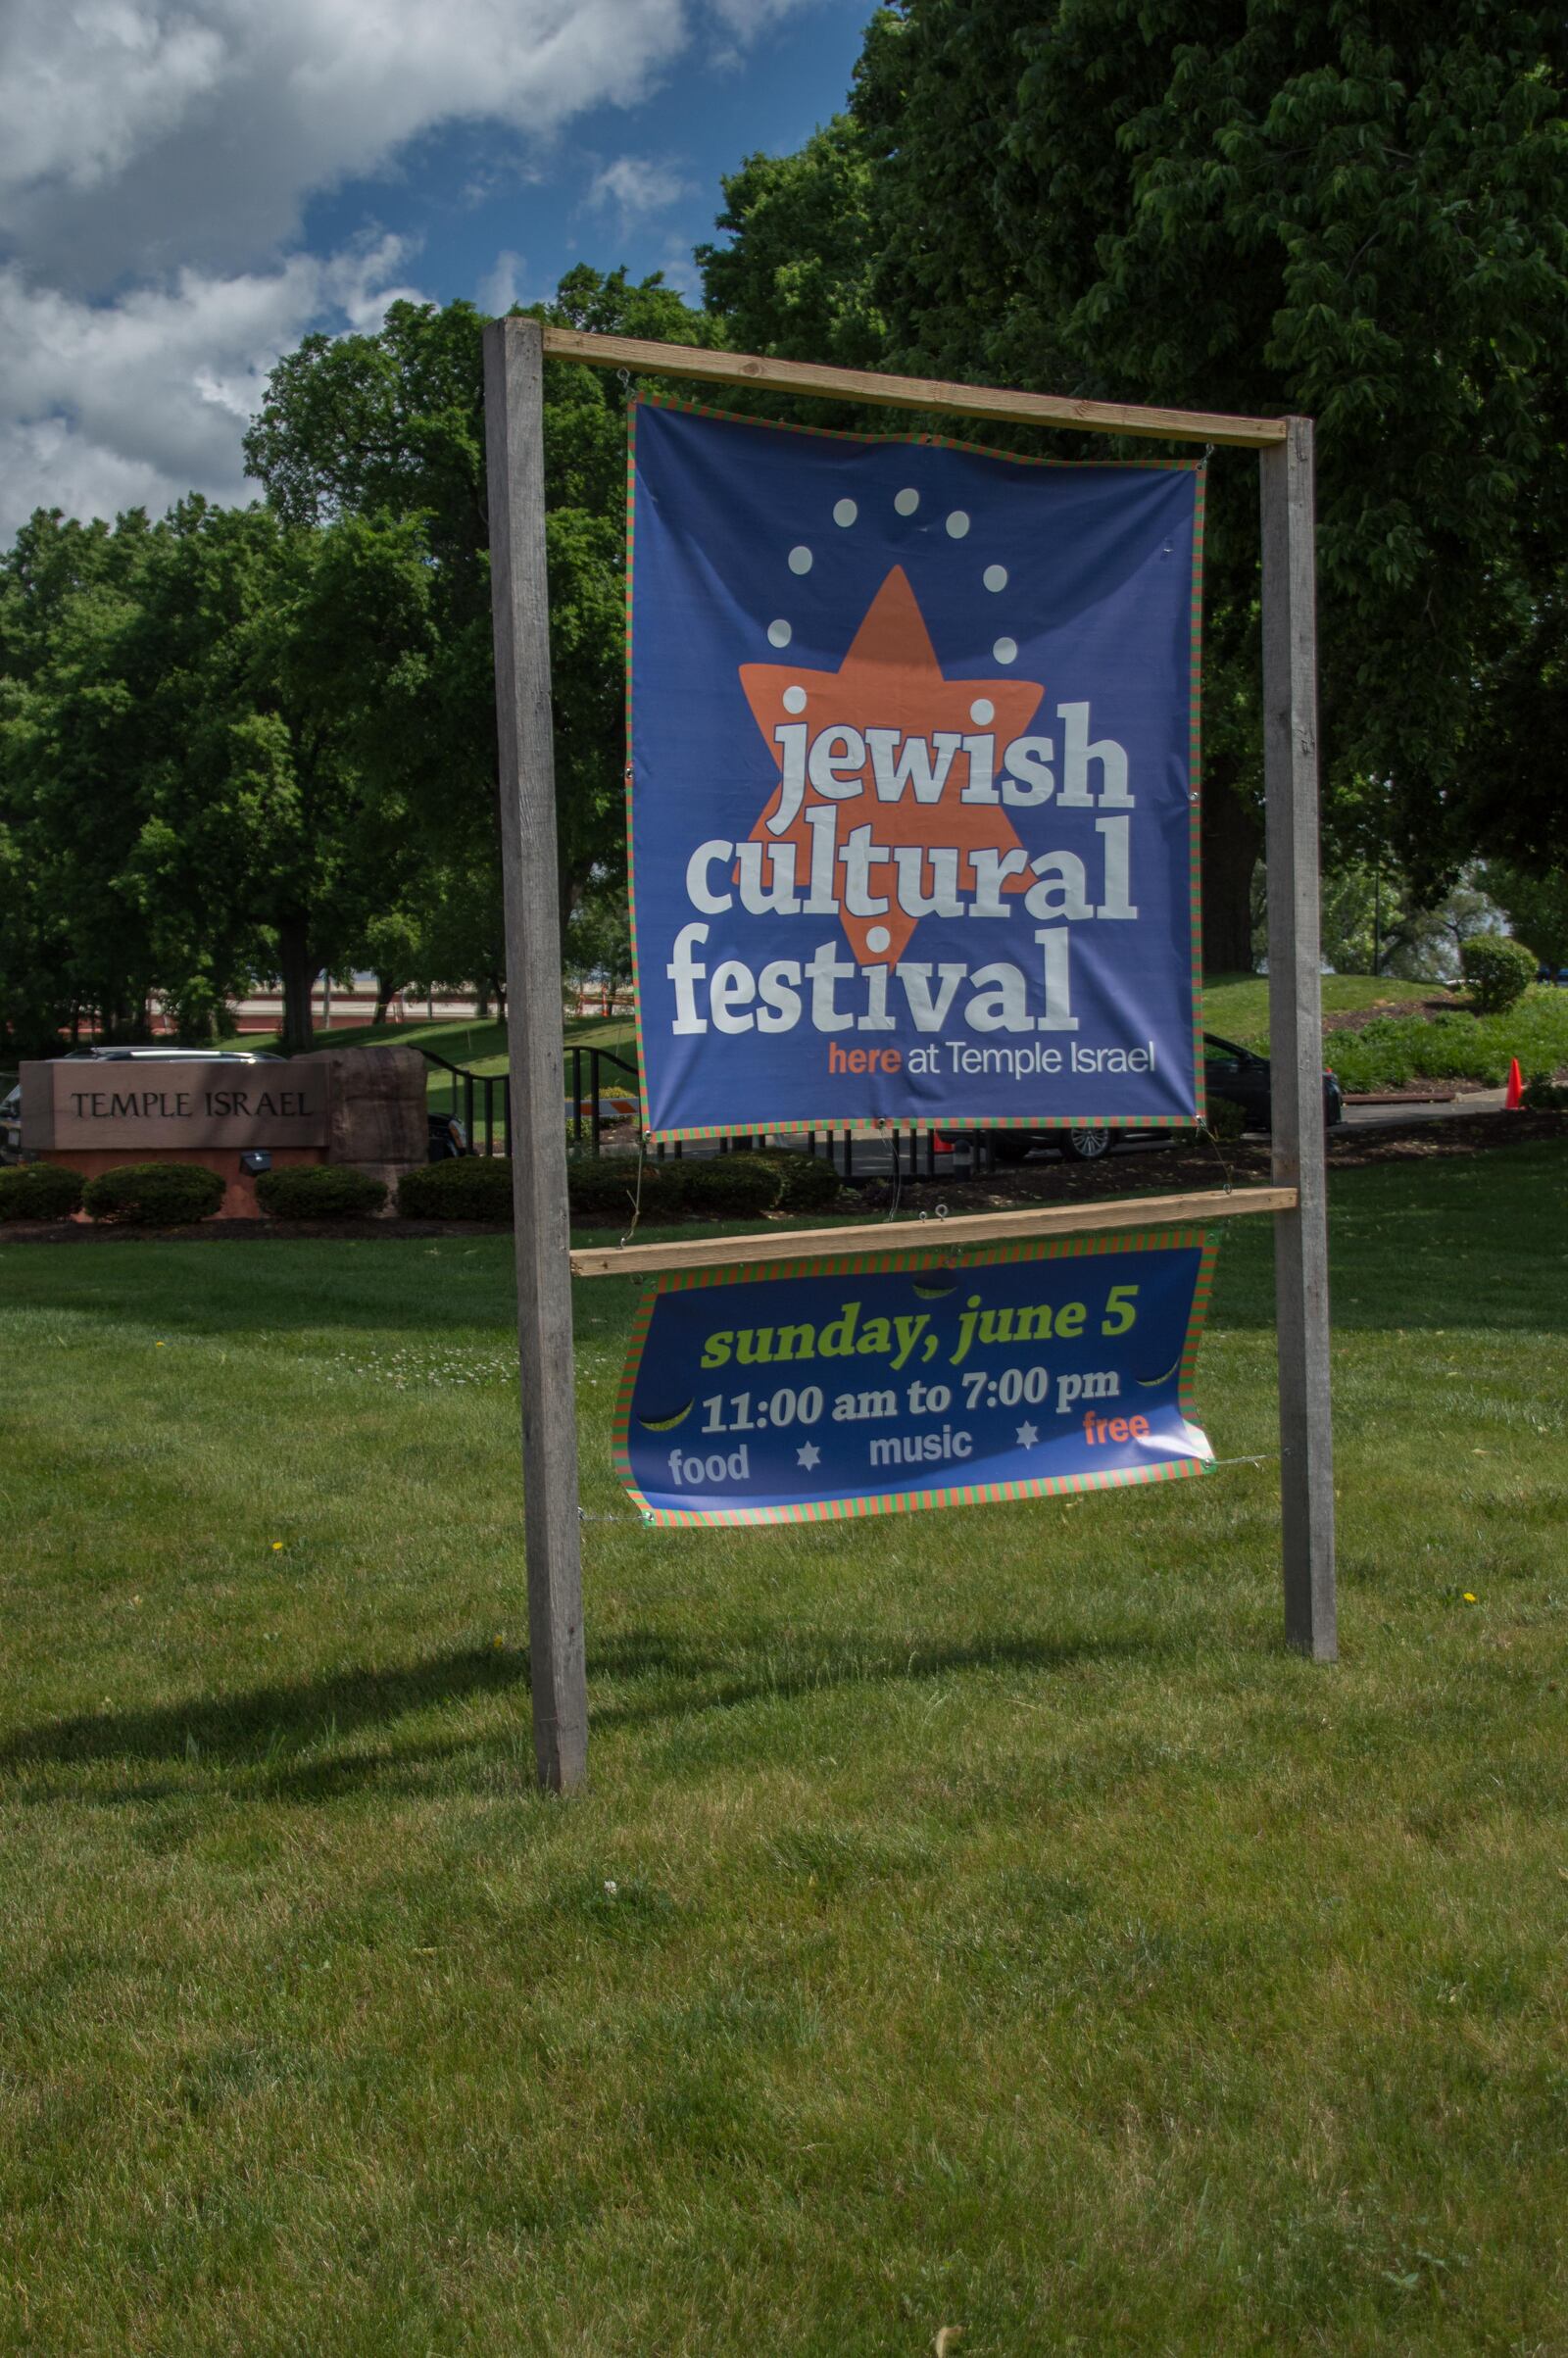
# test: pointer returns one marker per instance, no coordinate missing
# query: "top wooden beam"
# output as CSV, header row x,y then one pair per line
x,y
911,392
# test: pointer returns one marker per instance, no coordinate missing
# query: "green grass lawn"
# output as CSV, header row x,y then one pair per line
x,y
1237,1005
977,1919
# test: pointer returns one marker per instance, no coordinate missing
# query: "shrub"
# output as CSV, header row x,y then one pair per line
x,y
39,1190
1543,1095
321,1191
603,1187
1226,1119
471,1187
155,1195
1498,972
731,1187
806,1182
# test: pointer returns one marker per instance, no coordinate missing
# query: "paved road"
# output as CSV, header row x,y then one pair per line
x,y
1471,1100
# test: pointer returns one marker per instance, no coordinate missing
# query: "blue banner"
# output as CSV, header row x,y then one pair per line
x,y
913,810
872,1384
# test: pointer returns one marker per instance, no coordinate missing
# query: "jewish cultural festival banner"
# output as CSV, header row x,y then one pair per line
x,y
872,1384
912,769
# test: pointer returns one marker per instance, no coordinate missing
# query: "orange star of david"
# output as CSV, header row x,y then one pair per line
x,y
891,679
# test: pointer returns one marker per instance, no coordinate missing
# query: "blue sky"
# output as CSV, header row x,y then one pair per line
x,y
188,186
485,205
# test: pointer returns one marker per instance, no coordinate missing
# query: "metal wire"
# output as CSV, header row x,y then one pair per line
x,y
637,1199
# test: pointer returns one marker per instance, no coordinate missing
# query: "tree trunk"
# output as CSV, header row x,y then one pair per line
x,y
1231,847
298,971
386,990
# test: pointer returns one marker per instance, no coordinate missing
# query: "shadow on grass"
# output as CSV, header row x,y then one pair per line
x,y
269,1728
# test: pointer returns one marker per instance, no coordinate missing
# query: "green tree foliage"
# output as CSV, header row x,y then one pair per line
x,y
1535,906
1320,207
74,742
184,797
797,278
597,949
266,849
386,432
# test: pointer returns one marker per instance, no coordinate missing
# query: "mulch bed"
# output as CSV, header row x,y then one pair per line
x,y
1357,1019
1165,1171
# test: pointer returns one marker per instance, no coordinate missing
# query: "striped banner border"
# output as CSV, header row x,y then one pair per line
x,y
867,1127
970,1256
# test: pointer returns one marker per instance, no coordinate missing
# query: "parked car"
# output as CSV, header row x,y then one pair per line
x,y
11,1148
447,1138
171,1056
1230,1071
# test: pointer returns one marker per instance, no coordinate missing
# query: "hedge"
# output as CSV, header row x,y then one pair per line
x,y
1227,1121
730,1187
603,1187
806,1182
155,1195
320,1191
39,1190
1497,970
469,1187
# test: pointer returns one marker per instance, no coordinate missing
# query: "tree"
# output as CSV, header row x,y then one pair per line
x,y
1322,208
75,752
597,945
386,432
265,849
1536,907
797,279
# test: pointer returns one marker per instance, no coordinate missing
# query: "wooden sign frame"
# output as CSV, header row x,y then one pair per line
x,y
514,354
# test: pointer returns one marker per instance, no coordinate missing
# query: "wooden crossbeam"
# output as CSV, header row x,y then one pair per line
x,y
923,393
921,1236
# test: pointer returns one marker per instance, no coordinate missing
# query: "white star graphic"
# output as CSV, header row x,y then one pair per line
x,y
808,1455
1027,1436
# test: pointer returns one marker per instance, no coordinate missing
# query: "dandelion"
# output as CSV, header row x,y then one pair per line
x,y
1469,1597
499,1637
158,1347
277,1547
611,1889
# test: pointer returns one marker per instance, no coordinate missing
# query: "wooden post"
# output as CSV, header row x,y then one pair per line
x,y
513,401
1296,1039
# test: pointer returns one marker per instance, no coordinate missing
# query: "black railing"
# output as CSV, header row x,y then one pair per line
x,y
483,1102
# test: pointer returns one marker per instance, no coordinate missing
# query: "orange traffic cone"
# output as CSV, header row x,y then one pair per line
x,y
1513,1102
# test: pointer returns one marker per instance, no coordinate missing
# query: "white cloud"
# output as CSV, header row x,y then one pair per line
x,y
136,135
107,405
497,290
155,159
636,185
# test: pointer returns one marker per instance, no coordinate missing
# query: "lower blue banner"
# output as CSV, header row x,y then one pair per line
x,y
786,1392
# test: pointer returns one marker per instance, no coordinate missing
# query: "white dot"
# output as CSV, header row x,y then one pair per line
x,y
982,711
800,561
1005,650
794,700
845,512
906,501
879,937
780,634
958,524
994,576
